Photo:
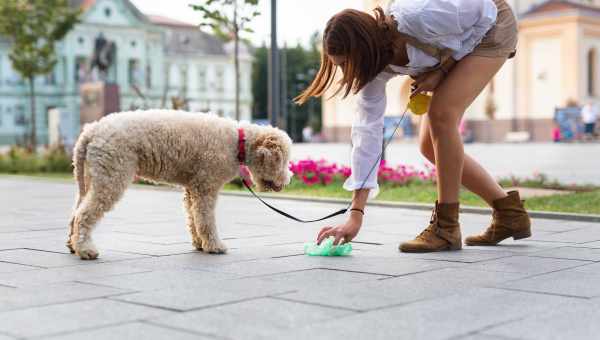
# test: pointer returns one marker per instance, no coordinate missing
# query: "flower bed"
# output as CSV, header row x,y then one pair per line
x,y
311,172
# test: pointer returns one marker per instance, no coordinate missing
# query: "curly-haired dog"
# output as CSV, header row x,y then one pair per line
x,y
196,151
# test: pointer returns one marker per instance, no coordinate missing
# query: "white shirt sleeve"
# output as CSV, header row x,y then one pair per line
x,y
367,135
459,25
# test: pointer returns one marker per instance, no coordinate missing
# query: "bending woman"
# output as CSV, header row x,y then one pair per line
x,y
452,48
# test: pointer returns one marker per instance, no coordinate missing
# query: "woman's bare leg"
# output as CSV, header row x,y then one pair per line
x,y
450,100
474,177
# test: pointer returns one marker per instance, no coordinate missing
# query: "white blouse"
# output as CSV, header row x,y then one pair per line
x,y
459,25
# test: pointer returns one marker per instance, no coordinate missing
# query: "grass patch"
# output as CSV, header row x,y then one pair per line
x,y
587,202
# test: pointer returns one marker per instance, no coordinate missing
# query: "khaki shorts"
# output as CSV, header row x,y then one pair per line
x,y
501,39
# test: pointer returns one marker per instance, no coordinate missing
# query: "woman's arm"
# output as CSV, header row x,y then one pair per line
x,y
367,140
347,231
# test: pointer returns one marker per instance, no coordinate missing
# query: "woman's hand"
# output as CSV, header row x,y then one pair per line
x,y
343,232
427,82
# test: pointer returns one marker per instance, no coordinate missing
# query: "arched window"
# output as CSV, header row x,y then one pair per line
x,y
592,69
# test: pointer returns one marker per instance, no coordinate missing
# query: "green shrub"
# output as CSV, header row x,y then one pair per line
x,y
19,160
56,160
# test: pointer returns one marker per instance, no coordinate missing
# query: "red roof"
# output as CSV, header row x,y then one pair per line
x,y
160,20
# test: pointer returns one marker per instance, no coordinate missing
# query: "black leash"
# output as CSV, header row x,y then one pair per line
x,y
341,211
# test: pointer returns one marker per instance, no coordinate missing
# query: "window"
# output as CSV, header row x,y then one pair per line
x,y
107,12
80,69
50,78
134,72
148,76
1,116
202,78
220,78
591,72
20,119
80,40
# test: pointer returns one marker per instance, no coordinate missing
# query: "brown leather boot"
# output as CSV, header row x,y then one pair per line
x,y
509,220
443,232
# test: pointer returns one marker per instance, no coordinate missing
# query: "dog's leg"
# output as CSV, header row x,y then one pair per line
x,y
105,190
203,209
72,221
187,201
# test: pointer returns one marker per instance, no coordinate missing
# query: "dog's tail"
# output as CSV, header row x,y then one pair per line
x,y
79,156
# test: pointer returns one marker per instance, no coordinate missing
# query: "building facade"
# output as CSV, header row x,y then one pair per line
x,y
157,58
557,62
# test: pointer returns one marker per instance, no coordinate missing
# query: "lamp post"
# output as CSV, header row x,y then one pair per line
x,y
274,71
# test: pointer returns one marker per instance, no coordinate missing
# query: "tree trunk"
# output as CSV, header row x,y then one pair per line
x,y
236,61
33,140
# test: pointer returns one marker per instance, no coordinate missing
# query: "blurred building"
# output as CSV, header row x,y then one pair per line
x,y
557,61
157,58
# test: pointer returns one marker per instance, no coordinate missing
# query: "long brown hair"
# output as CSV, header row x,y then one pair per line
x,y
367,44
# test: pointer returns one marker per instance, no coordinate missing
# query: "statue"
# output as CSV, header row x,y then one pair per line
x,y
102,97
104,56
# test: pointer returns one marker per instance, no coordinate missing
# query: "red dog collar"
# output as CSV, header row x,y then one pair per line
x,y
241,146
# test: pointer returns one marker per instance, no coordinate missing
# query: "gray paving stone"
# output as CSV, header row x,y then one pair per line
x,y
465,255
255,319
266,288
42,277
583,235
481,336
526,246
573,321
19,298
207,294
399,290
47,259
570,282
134,330
158,279
12,267
50,320
592,269
573,253
527,264
6,337
594,244
444,318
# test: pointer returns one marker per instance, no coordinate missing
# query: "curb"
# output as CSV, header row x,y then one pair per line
x,y
384,204
424,206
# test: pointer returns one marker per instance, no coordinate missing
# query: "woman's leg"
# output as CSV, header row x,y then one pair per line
x,y
474,177
450,100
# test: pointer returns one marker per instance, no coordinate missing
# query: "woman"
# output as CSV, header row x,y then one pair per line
x,y
452,48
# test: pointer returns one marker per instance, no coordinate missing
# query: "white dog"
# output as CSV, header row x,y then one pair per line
x,y
197,151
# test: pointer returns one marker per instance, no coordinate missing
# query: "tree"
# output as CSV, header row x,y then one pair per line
x,y
34,27
301,66
228,19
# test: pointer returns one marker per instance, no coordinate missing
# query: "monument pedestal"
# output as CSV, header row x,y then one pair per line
x,y
98,99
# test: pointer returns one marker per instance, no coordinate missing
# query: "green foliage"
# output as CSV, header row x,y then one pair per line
x,y
20,160
300,67
34,27
227,17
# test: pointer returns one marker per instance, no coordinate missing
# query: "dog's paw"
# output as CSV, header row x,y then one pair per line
x,y
87,251
198,244
214,247
70,246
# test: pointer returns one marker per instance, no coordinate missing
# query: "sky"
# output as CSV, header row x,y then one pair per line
x,y
297,19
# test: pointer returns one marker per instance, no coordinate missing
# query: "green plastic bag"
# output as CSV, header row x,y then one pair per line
x,y
326,248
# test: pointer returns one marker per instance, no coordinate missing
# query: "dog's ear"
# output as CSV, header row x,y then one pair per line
x,y
269,152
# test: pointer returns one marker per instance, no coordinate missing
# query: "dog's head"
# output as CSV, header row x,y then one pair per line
x,y
270,159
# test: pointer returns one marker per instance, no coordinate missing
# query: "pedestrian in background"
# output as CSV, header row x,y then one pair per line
x,y
589,116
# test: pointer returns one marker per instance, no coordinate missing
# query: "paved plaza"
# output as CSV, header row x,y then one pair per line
x,y
149,283
566,162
